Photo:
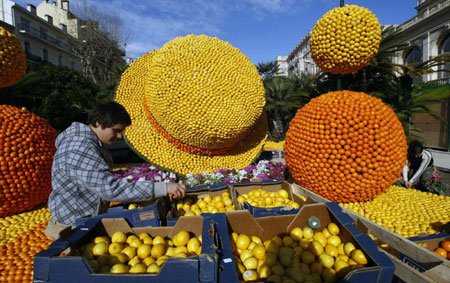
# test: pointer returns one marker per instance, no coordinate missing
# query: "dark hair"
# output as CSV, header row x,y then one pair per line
x,y
108,114
414,147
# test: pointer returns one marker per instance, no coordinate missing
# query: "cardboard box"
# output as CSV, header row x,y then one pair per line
x,y
430,242
151,214
240,189
378,269
50,267
200,192
440,268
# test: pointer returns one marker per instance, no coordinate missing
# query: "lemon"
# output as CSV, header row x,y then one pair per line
x,y
181,238
119,268
148,261
153,268
251,263
326,260
138,269
333,229
243,242
358,256
119,237
315,248
133,261
250,275
100,248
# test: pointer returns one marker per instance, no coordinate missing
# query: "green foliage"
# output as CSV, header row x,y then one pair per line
x,y
57,94
436,185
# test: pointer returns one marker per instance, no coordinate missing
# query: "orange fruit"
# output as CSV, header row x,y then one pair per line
x,y
440,252
445,245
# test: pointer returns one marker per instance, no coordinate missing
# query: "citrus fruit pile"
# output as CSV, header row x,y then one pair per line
x,y
345,39
273,145
303,255
205,204
263,198
21,238
26,156
196,105
345,146
406,212
136,254
443,250
12,59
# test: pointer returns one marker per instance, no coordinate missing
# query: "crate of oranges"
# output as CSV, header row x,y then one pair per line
x,y
209,199
110,250
311,246
268,199
437,243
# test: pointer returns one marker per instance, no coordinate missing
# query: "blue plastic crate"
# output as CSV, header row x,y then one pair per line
x,y
150,215
50,267
271,186
199,192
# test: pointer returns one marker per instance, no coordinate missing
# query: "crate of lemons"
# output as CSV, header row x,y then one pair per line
x,y
268,199
128,253
200,201
292,248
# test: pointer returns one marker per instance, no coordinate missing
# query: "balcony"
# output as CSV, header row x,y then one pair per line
x,y
425,14
33,58
27,29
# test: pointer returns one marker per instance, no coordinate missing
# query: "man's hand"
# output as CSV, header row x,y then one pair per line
x,y
409,184
176,190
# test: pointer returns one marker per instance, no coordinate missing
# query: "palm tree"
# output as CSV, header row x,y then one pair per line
x,y
268,70
277,90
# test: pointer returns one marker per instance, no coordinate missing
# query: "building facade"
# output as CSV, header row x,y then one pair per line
x,y
300,60
51,33
42,41
282,66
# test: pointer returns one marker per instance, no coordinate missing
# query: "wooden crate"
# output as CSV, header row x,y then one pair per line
x,y
440,268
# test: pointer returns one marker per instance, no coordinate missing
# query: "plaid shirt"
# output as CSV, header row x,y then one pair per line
x,y
81,179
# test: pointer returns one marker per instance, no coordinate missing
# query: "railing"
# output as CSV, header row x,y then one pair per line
x,y
26,28
33,58
432,10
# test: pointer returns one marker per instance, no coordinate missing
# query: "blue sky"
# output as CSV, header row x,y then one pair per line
x,y
261,29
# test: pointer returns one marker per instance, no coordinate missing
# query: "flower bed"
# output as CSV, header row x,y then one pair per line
x,y
264,170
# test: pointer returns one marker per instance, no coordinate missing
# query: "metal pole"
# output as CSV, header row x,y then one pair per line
x,y
342,3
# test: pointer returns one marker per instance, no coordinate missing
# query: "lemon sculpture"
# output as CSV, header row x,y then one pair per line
x,y
345,39
196,105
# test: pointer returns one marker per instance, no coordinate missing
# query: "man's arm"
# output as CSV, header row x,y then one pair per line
x,y
426,159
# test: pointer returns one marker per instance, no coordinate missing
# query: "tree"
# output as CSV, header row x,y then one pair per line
x,y
55,93
268,70
100,35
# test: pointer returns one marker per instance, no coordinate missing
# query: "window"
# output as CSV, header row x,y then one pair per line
x,y
27,48
444,47
60,60
45,51
64,27
414,56
24,24
49,19
43,33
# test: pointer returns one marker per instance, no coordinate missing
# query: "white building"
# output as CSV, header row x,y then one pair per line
x,y
300,60
428,34
41,39
282,66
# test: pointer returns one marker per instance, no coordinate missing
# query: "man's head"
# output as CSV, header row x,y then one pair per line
x,y
108,121
415,149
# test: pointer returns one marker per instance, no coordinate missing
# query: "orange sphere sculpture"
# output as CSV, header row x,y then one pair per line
x,y
345,146
26,156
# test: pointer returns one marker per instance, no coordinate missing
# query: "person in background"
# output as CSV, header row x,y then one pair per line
x,y
82,179
419,165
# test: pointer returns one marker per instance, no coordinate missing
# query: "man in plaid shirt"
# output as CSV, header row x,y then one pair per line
x,y
82,179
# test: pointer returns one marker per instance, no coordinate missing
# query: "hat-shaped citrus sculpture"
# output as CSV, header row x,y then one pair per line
x,y
345,39
26,156
12,59
345,146
196,105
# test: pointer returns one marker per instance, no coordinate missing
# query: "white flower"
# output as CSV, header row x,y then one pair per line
x,y
141,179
152,167
172,175
158,178
189,175
130,178
217,176
208,182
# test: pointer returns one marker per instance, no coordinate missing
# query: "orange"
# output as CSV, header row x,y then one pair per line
x,y
441,252
445,245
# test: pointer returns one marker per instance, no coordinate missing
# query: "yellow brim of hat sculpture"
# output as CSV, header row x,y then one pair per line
x,y
196,104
